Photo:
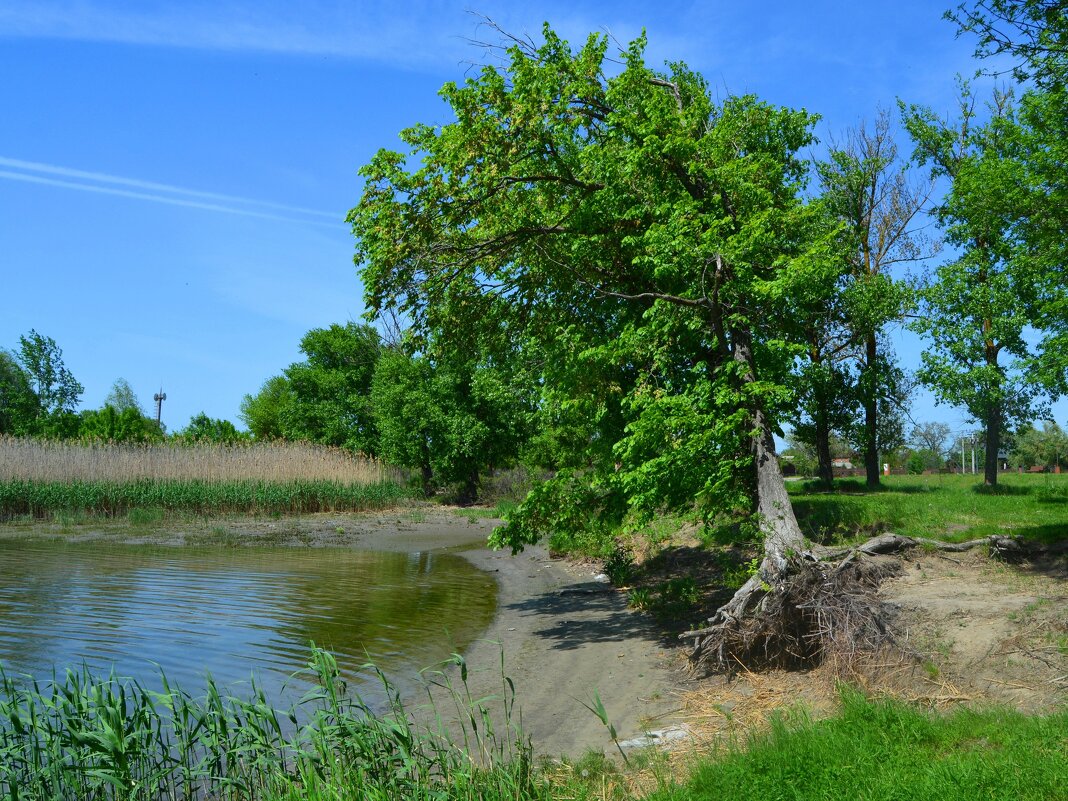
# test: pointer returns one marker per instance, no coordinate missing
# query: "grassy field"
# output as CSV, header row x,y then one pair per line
x,y
951,507
885,751
40,479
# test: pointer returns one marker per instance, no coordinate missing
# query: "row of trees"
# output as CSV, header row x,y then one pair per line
x,y
933,447
450,421
39,397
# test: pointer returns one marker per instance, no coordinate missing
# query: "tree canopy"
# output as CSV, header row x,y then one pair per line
x,y
329,393
650,242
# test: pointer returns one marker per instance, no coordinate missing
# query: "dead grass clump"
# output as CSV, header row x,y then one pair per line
x,y
47,461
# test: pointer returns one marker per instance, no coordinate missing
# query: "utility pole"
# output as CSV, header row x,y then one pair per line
x,y
159,397
963,466
973,456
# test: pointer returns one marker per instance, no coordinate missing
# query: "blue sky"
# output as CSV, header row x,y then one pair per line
x,y
174,176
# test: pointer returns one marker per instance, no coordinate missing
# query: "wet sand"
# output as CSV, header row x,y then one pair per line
x,y
563,637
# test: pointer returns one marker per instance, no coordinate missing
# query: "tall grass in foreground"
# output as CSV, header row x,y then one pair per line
x,y
884,751
89,739
51,461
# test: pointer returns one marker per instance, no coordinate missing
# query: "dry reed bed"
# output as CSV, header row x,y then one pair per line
x,y
46,461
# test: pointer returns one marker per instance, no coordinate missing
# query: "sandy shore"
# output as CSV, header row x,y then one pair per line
x,y
563,635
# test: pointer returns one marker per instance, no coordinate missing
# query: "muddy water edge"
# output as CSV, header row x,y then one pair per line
x,y
239,597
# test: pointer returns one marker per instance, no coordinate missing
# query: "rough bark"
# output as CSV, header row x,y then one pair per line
x,y
783,540
781,532
993,443
871,414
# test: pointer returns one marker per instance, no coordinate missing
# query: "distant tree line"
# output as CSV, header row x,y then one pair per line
x,y
39,397
449,421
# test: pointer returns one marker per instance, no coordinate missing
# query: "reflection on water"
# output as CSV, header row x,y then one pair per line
x,y
232,612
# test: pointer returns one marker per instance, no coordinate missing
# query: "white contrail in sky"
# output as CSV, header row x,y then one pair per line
x,y
174,201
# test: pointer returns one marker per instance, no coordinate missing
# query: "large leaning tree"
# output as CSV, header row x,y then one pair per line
x,y
659,233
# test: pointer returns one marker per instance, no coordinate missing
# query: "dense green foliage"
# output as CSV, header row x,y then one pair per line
x,y
110,498
87,738
110,424
329,401
886,751
202,428
18,403
1005,211
1045,447
262,412
644,246
450,422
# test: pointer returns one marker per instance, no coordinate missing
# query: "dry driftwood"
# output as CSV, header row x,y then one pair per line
x,y
821,603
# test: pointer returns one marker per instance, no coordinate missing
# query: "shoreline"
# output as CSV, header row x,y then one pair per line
x,y
563,637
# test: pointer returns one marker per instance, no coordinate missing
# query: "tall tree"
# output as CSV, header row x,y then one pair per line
x,y
122,397
1034,34
979,306
1047,447
57,390
934,437
331,389
202,428
663,231
18,403
111,425
869,190
451,422
265,411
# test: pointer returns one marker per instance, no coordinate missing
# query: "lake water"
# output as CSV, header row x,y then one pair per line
x,y
232,612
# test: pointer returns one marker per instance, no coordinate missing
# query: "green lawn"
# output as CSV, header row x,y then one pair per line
x,y
880,751
951,507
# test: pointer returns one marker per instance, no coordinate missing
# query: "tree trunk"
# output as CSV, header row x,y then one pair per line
x,y
993,442
824,465
871,414
427,471
993,415
782,534
821,419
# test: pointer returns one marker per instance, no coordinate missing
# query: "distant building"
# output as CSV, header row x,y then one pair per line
x,y
842,463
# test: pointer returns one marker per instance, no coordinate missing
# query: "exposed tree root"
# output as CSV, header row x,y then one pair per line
x,y
818,605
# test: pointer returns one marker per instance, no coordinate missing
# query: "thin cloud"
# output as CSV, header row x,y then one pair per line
x,y
155,198
360,30
100,177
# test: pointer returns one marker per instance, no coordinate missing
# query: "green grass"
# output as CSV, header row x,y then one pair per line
x,y
87,738
147,499
951,507
883,751
84,738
